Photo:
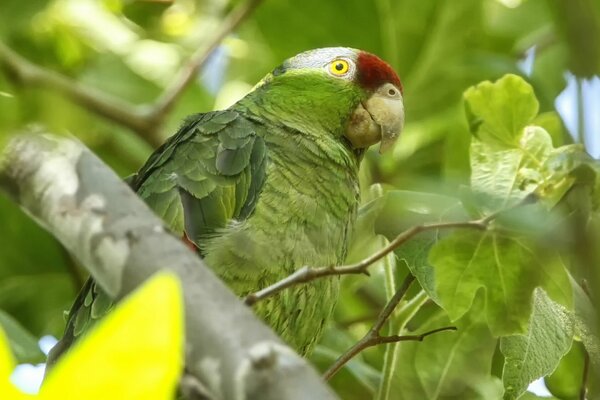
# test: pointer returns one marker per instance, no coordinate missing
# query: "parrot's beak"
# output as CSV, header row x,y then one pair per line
x,y
379,119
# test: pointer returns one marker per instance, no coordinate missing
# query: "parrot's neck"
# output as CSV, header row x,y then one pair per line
x,y
318,107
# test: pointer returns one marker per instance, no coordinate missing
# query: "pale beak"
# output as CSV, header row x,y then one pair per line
x,y
379,119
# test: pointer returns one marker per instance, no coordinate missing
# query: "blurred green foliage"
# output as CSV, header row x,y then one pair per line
x,y
132,49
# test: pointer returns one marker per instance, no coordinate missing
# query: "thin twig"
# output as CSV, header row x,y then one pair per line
x,y
145,120
374,338
307,274
169,97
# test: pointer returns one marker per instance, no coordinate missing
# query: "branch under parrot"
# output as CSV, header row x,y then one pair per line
x,y
307,274
145,120
114,234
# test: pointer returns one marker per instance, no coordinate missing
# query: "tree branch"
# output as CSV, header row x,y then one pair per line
x,y
374,338
172,93
145,120
71,193
307,274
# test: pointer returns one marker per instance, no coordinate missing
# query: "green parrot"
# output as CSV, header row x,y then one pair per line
x,y
271,184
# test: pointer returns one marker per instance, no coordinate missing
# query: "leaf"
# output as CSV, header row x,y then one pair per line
x,y
586,324
578,25
507,268
35,287
538,352
22,343
401,209
565,381
136,352
510,160
506,176
7,364
448,365
502,109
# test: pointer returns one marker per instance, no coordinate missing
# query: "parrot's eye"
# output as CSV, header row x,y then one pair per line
x,y
339,67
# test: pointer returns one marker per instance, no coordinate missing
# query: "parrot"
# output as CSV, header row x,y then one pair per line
x,y
270,185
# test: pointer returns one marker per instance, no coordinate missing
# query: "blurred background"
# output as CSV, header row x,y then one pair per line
x,y
131,50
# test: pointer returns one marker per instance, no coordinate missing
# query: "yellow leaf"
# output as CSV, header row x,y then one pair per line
x,y
7,364
136,352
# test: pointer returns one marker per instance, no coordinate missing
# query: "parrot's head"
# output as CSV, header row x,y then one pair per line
x,y
348,92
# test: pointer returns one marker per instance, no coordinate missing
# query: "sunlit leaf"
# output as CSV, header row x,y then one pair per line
x,y
7,363
502,109
135,353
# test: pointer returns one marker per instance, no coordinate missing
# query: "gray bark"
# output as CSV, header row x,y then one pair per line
x,y
77,198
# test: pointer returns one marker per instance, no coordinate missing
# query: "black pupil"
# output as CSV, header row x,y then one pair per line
x,y
339,66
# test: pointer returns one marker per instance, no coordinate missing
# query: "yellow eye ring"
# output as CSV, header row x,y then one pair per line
x,y
339,67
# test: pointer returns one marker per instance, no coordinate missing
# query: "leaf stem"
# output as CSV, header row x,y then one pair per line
x,y
397,324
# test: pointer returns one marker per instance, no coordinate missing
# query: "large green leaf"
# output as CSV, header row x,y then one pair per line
x,y
506,268
502,109
565,381
448,365
538,352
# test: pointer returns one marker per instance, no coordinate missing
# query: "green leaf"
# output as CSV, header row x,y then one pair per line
x,y
502,109
401,209
538,352
565,381
35,285
504,176
586,324
22,343
448,365
506,268
578,25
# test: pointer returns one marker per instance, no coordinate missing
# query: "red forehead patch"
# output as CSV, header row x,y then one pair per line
x,y
373,72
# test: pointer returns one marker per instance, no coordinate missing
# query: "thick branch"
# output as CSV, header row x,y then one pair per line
x,y
114,234
307,274
92,99
145,120
374,338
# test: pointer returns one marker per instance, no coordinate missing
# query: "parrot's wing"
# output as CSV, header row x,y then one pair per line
x,y
209,173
